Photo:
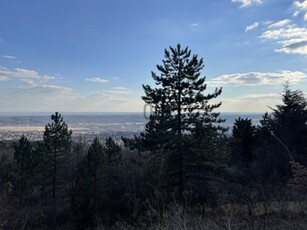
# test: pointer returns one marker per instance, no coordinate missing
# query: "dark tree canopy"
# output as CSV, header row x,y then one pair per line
x,y
243,133
181,109
84,189
57,143
180,95
25,166
113,150
94,157
289,121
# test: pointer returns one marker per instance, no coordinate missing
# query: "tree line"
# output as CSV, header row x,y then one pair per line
x,y
184,156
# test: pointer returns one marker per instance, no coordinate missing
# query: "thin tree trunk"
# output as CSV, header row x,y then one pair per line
x,y
179,146
54,174
22,180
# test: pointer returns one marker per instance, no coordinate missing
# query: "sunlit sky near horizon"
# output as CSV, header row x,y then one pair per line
x,y
94,56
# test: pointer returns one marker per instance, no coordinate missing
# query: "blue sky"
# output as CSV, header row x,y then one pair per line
x,y
94,56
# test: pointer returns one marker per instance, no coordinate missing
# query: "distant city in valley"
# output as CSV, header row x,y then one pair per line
x,y
102,125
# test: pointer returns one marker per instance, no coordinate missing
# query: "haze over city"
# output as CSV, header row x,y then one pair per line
x,y
94,56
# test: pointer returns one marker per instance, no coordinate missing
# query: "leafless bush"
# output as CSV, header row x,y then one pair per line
x,y
299,180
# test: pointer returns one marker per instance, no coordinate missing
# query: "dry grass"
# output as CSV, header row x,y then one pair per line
x,y
275,215
227,216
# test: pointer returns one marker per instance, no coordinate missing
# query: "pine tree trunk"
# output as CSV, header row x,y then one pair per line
x,y
22,180
54,172
179,150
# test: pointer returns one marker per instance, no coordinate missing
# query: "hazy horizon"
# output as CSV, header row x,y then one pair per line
x,y
27,113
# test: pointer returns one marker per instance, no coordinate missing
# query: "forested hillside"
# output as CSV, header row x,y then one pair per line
x,y
182,172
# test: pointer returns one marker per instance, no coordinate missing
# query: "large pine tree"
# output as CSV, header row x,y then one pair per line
x,y
57,148
180,105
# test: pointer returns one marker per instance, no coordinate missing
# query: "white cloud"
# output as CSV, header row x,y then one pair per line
x,y
266,23
257,24
286,36
8,57
36,94
44,89
120,88
115,93
23,74
252,26
50,89
293,46
259,96
296,13
260,102
33,83
291,38
301,7
58,98
194,25
259,78
285,33
245,3
97,80
281,23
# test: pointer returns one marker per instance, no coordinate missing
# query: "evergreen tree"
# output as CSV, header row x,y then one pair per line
x,y
6,174
180,105
94,159
210,145
112,150
157,135
57,147
264,141
263,131
84,190
25,166
282,136
243,133
91,167
289,121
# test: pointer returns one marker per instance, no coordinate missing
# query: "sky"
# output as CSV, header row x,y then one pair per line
x,y
94,55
